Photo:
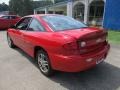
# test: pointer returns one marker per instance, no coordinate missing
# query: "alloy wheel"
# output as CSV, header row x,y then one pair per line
x,y
43,63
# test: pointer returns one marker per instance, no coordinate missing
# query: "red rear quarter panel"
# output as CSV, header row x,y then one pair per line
x,y
49,41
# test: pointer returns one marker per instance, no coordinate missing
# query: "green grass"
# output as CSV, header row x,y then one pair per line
x,y
114,37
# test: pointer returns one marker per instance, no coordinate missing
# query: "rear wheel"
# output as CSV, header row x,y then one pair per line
x,y
44,63
10,42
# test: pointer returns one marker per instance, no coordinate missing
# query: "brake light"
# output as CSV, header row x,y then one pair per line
x,y
71,46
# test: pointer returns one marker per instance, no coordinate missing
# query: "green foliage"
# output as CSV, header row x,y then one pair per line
x,y
114,37
4,7
21,7
37,4
26,7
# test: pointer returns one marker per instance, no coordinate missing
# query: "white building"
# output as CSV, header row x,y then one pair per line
x,y
84,10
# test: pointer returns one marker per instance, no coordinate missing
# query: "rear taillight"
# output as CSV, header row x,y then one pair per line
x,y
71,46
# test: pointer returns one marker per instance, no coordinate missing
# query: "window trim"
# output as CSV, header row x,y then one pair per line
x,y
38,22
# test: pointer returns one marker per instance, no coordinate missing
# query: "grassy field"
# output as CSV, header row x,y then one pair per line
x,y
114,37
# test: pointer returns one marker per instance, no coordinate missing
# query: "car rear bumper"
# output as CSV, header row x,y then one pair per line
x,y
76,63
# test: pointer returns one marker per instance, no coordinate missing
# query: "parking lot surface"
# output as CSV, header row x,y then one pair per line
x,y
18,71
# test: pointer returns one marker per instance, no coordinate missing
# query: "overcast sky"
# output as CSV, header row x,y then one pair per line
x,y
7,1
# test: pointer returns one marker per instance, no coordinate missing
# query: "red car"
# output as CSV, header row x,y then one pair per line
x,y
8,20
59,42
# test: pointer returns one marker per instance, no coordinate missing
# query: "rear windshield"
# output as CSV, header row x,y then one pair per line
x,y
60,22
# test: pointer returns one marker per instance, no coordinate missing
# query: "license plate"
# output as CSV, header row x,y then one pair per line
x,y
99,61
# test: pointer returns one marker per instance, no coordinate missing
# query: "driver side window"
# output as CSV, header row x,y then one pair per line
x,y
23,23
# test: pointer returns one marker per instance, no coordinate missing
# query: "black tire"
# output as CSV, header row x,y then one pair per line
x,y
44,63
10,42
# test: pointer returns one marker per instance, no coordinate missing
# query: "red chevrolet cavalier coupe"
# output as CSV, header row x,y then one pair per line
x,y
59,42
8,20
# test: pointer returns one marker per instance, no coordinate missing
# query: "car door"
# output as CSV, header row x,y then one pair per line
x,y
18,32
34,27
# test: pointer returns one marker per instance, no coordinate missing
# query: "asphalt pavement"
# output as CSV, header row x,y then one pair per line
x,y
18,71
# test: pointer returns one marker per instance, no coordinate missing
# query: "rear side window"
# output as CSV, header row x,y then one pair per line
x,y
60,22
35,25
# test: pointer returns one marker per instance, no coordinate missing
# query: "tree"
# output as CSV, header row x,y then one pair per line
x,y
4,7
37,4
21,7
26,7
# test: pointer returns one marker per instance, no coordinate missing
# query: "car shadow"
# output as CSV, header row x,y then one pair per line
x,y
103,77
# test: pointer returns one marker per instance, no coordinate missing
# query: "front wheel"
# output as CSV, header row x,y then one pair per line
x,y
44,63
10,42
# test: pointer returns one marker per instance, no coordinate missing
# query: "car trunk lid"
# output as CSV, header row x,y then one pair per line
x,y
94,38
